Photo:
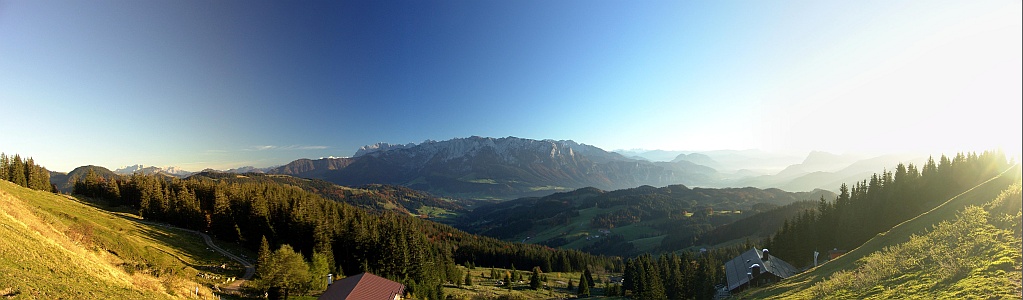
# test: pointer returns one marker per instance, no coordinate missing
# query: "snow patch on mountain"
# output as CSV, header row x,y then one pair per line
x,y
508,149
170,170
381,147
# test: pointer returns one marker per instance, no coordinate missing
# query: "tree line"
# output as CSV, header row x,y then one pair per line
x,y
24,172
415,252
676,275
878,204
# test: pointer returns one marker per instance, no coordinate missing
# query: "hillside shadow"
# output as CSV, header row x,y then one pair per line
x,y
194,251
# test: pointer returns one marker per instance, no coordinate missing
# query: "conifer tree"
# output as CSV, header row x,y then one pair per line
x,y
468,278
264,253
4,165
534,279
630,275
16,172
652,288
584,287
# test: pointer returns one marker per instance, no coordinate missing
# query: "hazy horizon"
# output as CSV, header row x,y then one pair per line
x,y
788,157
228,84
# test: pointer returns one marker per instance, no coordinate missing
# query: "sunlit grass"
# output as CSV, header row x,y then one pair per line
x,y
56,247
959,249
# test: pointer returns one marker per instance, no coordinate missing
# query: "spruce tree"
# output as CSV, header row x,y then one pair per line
x,y
4,164
652,287
264,253
534,280
16,172
468,278
584,287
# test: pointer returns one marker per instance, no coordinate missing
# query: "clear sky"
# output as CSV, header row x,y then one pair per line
x,y
224,84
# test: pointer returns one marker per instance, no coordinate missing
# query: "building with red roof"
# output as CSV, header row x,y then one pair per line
x,y
364,286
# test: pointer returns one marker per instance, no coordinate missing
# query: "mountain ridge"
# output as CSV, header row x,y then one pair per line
x,y
509,167
170,170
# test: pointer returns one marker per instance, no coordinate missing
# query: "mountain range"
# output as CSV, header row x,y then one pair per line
x,y
173,171
498,168
508,168
828,171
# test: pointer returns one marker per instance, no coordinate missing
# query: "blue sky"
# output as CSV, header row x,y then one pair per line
x,y
225,84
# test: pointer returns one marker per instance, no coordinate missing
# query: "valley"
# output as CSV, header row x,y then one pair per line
x,y
483,168
630,221
381,228
511,150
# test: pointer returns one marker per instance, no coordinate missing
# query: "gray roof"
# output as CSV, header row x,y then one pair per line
x,y
736,269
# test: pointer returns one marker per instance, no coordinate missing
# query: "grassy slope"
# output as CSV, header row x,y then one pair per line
x,y
57,247
800,286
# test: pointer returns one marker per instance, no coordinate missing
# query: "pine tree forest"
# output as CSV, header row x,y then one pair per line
x,y
24,172
291,226
875,205
420,254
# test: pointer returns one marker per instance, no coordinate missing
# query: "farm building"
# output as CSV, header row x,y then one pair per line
x,y
364,286
756,268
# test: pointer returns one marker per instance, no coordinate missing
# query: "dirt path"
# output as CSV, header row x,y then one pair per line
x,y
250,269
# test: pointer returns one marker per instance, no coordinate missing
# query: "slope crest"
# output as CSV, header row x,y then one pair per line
x,y
814,283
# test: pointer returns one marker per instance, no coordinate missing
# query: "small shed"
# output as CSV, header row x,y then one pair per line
x,y
755,267
364,286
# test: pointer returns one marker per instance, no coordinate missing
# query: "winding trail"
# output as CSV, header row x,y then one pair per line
x,y
250,269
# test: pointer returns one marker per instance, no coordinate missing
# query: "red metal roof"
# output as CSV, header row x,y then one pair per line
x,y
364,286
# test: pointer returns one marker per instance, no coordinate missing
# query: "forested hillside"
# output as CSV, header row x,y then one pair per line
x,y
418,253
629,221
966,247
375,197
757,224
876,205
975,254
65,182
